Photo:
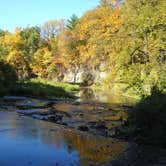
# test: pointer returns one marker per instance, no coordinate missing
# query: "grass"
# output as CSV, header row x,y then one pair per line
x,y
69,87
41,89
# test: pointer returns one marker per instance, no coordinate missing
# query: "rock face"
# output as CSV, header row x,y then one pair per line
x,y
85,75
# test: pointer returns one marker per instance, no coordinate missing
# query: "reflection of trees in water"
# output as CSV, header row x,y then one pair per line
x,y
87,93
95,149
38,130
90,148
105,96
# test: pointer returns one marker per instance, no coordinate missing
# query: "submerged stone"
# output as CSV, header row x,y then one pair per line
x,y
83,128
32,103
26,112
40,117
14,98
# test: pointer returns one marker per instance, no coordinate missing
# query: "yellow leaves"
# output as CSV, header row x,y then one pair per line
x,y
15,58
43,63
18,62
95,31
13,41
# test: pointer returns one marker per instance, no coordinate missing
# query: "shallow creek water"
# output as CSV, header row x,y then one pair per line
x,y
25,141
37,132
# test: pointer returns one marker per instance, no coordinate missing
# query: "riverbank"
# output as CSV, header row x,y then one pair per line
x,y
147,123
41,88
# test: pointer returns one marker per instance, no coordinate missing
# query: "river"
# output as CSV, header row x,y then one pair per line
x,y
25,141
74,139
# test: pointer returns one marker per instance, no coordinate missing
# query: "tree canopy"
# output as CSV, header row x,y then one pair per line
x,y
128,37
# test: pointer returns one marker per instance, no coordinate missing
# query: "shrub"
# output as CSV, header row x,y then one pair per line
x,y
8,75
148,119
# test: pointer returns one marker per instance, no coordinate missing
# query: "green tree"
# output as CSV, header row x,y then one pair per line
x,y
3,45
31,37
8,75
72,22
145,35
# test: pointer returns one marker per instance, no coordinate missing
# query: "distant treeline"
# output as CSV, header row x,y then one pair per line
x,y
128,37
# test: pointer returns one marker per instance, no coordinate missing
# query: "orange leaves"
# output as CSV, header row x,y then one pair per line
x,y
95,31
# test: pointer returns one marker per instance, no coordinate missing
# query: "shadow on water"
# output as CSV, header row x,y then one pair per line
x,y
25,141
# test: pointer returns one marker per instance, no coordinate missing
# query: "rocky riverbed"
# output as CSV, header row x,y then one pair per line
x,y
89,127
91,117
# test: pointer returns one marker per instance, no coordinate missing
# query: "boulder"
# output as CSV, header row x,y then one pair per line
x,y
83,128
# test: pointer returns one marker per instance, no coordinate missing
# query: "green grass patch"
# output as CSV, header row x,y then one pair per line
x,y
42,89
69,87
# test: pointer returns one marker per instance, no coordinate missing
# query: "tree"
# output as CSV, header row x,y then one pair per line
x,y
43,63
111,3
17,60
3,33
16,56
14,41
51,29
8,75
31,37
145,33
3,46
71,55
96,31
72,22
50,34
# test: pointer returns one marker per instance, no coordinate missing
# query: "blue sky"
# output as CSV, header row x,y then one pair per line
x,y
21,13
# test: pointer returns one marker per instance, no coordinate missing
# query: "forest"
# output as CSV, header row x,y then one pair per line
x,y
125,40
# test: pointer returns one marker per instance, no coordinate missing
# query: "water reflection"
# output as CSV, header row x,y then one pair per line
x,y
105,96
87,93
95,149
25,141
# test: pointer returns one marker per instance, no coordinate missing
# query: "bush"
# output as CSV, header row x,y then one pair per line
x,y
8,75
148,119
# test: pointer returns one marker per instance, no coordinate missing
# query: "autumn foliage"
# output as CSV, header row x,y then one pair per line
x,y
127,37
